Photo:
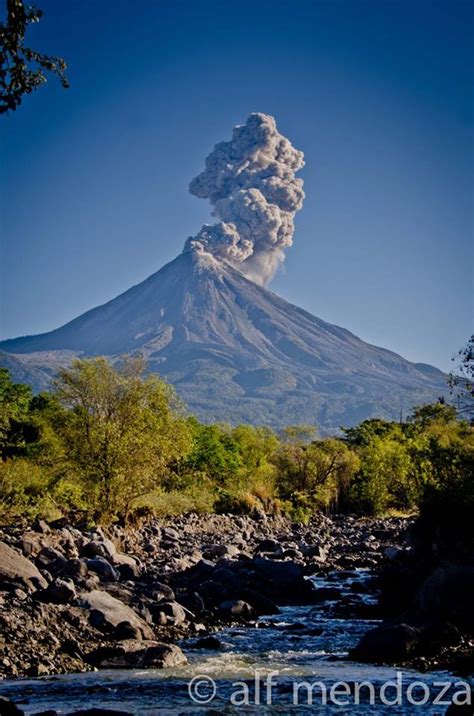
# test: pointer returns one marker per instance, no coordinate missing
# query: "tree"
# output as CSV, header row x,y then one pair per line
x,y
214,453
16,427
383,480
320,471
121,432
461,382
22,69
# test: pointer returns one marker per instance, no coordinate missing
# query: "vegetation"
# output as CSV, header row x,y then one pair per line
x,y
21,68
110,442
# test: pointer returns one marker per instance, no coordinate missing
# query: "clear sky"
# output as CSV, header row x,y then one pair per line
x,y
377,93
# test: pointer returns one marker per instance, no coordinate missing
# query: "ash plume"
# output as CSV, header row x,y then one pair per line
x,y
251,184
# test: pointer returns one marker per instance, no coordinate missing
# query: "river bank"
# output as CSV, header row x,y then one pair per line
x,y
67,592
217,592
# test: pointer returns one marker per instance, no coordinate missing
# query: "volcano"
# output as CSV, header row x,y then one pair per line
x,y
234,351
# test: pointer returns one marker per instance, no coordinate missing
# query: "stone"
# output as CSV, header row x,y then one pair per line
x,y
169,534
388,643
213,551
211,643
237,609
126,566
98,548
268,545
168,613
109,612
162,592
18,571
103,569
137,654
8,708
59,591
51,559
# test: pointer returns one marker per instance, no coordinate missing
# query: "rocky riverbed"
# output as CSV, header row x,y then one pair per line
x,y
76,599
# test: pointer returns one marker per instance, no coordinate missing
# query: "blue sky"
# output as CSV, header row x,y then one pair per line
x,y
378,94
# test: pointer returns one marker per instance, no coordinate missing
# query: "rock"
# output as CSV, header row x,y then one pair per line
x,y
282,573
448,595
95,548
388,643
137,654
168,534
193,601
17,570
8,708
219,550
391,553
126,630
31,544
168,613
52,560
126,566
76,569
326,594
237,609
162,592
109,612
59,591
318,553
104,569
259,603
211,643
268,545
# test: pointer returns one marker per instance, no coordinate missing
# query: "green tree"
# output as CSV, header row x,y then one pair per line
x,y
21,68
121,432
383,480
320,471
16,428
214,454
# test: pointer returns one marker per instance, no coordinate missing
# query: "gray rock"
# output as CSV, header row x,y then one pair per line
x,y
162,592
137,654
17,570
127,567
51,559
213,551
169,534
99,548
237,609
112,612
103,568
168,613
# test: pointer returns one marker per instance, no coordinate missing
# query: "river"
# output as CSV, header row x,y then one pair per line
x,y
287,663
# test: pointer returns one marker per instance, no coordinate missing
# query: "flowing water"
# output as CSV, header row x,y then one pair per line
x,y
288,663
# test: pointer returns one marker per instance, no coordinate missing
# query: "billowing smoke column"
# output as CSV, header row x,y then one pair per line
x,y
251,183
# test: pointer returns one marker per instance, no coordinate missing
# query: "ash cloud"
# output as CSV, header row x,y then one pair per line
x,y
251,184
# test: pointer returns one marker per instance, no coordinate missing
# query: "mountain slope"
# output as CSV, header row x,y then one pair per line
x,y
235,351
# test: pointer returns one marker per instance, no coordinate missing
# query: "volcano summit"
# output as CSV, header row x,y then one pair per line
x,y
234,350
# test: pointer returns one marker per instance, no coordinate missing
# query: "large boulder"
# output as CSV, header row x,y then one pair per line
x,y
108,612
17,571
388,643
137,654
448,595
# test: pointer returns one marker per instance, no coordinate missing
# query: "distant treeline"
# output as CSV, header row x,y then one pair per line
x,y
111,442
